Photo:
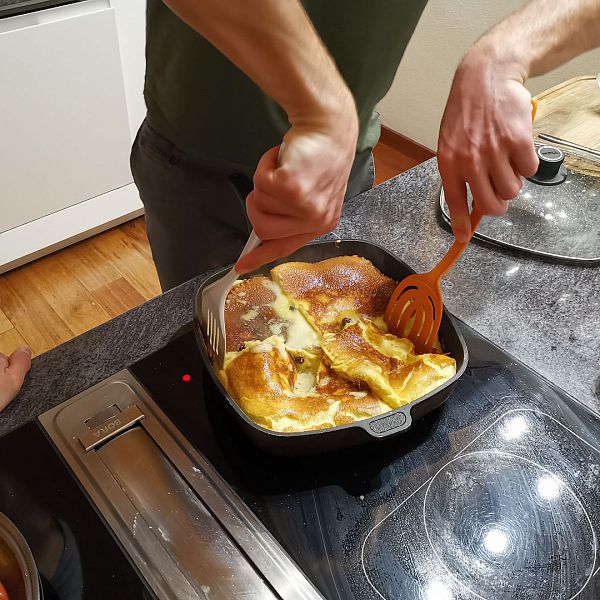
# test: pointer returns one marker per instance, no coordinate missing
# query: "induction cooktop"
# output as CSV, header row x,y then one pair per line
x,y
495,495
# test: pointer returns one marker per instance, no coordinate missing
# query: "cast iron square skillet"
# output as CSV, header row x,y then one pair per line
x,y
380,427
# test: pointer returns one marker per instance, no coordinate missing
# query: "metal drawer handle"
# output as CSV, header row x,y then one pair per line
x,y
109,429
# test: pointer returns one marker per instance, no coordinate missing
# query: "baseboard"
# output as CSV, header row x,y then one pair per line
x,y
53,232
408,147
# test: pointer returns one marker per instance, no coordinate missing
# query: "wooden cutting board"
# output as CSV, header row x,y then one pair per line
x,y
571,110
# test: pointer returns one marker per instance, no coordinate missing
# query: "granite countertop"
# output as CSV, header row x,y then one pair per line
x,y
547,315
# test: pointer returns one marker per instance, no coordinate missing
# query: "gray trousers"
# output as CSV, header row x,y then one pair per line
x,y
196,219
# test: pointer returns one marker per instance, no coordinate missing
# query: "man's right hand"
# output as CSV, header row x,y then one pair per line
x,y
299,190
299,197
13,369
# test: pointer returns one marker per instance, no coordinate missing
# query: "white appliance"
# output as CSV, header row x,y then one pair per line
x,y
71,101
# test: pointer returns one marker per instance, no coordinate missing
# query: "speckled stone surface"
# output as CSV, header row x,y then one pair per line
x,y
78,364
546,315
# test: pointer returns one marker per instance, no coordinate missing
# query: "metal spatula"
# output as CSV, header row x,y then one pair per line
x,y
213,307
214,296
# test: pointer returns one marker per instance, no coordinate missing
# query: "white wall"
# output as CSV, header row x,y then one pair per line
x,y
415,103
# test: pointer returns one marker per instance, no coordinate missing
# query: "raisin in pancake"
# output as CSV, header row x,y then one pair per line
x,y
293,392
308,349
386,364
334,289
256,309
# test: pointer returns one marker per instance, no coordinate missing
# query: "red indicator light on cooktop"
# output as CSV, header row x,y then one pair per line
x,y
186,377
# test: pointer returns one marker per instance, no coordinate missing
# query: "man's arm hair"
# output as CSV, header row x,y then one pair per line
x,y
275,44
543,35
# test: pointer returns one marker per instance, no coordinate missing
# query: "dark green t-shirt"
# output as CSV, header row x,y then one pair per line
x,y
208,108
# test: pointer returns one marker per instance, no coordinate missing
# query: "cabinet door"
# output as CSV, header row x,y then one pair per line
x,y
64,131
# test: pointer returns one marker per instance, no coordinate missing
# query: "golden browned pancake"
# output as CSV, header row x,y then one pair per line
x,y
355,403
248,312
278,392
334,289
308,350
256,309
260,378
386,364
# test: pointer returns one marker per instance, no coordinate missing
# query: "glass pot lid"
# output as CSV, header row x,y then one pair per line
x,y
557,211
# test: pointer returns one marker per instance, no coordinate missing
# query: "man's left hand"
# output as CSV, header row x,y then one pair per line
x,y
485,140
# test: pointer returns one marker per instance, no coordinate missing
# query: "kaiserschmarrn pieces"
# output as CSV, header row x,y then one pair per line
x,y
345,287
275,390
308,349
386,364
256,308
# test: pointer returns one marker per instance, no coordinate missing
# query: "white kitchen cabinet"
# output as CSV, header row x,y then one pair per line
x,y
65,132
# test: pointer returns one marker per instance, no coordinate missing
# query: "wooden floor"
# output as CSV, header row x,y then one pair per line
x,y
62,295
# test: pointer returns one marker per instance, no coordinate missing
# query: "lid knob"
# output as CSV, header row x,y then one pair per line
x,y
550,170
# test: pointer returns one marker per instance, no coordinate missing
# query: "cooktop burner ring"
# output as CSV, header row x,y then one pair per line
x,y
497,538
510,426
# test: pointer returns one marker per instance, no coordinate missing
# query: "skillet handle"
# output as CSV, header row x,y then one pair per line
x,y
381,427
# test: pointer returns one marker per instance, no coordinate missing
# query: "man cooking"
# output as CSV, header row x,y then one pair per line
x,y
228,82
277,99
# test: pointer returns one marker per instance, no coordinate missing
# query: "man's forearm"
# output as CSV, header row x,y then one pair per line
x,y
276,45
485,138
542,35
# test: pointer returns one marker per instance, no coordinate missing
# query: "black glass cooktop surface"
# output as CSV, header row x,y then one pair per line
x,y
75,554
496,495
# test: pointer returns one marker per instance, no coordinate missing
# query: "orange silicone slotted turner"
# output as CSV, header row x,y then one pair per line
x,y
417,300
415,308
